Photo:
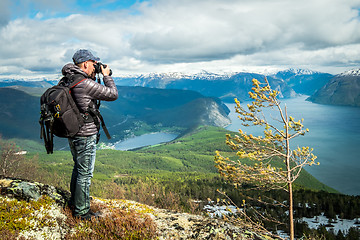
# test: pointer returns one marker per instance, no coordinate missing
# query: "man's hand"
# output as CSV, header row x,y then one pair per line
x,y
105,71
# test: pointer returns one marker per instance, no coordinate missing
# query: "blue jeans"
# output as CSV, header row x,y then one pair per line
x,y
83,150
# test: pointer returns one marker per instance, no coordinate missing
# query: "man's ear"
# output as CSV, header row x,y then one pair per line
x,y
86,66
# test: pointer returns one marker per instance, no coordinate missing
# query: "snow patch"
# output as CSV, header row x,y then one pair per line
x,y
337,224
353,72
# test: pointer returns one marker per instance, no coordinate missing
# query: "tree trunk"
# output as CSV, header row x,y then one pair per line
x,y
291,211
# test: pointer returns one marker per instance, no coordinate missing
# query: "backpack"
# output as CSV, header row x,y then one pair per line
x,y
60,115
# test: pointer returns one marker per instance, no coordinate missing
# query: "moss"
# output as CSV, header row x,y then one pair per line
x,y
18,215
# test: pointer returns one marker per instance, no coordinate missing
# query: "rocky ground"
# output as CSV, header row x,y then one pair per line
x,y
49,221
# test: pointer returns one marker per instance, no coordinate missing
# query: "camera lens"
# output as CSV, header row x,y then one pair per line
x,y
97,67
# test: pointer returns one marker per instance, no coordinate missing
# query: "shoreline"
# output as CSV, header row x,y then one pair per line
x,y
145,140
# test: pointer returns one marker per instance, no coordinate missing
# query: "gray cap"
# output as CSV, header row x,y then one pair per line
x,y
84,55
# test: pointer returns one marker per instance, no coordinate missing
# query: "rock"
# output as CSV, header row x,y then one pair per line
x,y
26,190
172,225
176,225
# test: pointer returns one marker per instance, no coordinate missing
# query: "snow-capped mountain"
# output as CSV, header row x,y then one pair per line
x,y
180,75
213,76
353,72
225,85
304,81
299,71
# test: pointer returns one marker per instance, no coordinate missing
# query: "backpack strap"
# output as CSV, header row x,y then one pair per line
x,y
104,127
93,113
46,120
96,115
76,79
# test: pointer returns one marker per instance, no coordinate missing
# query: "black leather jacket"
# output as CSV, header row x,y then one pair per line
x,y
88,90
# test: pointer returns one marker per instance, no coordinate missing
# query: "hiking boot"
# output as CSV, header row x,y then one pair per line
x,y
89,215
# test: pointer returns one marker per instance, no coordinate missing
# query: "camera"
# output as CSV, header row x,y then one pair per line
x,y
97,67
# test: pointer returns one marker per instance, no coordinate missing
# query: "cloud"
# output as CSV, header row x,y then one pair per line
x,y
222,29
162,34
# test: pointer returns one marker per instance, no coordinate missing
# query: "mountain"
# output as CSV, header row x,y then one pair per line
x,y
304,81
137,108
19,114
26,83
163,107
343,89
224,86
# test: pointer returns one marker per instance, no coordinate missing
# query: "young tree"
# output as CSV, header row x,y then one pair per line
x,y
259,156
14,164
10,159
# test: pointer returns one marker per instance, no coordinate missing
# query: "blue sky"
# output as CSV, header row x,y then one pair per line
x,y
64,8
38,37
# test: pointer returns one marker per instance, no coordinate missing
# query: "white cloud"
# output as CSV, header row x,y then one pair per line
x,y
188,35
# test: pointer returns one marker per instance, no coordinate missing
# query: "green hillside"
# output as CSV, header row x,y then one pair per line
x,y
19,115
183,167
196,151
191,153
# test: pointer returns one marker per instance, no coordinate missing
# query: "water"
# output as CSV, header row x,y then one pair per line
x,y
334,135
145,140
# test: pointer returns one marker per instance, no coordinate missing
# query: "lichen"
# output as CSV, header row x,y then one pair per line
x,y
125,205
4,183
21,216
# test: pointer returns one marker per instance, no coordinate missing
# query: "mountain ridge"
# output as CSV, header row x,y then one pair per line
x,y
229,85
343,89
225,87
137,109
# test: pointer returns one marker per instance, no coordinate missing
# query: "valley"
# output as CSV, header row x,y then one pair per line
x,y
196,112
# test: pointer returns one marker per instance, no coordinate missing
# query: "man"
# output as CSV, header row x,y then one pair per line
x,y
83,144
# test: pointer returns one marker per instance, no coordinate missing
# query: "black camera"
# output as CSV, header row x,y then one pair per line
x,y
97,67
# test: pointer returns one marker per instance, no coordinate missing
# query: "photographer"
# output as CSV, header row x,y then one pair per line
x,y
83,144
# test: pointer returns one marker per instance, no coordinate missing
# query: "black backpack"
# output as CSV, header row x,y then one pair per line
x,y
60,115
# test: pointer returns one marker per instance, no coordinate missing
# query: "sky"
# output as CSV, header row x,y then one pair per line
x,y
37,38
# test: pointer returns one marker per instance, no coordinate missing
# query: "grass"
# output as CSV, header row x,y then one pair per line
x,y
31,145
115,223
